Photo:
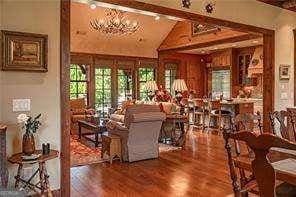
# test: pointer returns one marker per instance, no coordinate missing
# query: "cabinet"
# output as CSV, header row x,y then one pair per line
x,y
221,58
243,66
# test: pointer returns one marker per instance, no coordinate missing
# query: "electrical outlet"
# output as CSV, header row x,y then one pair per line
x,y
21,105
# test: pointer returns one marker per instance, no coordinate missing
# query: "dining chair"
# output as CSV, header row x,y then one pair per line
x,y
283,120
262,171
215,111
200,112
248,122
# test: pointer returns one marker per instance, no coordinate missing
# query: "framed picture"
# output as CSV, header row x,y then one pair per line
x,y
23,51
199,29
284,72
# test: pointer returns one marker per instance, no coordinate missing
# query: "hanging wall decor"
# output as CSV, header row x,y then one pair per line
x,y
186,3
210,7
23,51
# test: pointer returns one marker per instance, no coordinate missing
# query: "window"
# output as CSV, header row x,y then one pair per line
x,y
125,85
221,83
78,81
145,74
170,76
103,98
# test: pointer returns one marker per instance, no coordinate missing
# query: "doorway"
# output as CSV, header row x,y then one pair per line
x,y
268,61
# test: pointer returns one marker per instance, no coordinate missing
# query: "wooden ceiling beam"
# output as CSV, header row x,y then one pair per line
x,y
211,43
188,16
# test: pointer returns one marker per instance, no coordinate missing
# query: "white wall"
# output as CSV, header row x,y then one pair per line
x,y
42,88
258,14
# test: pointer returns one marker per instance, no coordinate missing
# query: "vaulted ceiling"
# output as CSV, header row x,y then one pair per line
x,y
285,4
143,43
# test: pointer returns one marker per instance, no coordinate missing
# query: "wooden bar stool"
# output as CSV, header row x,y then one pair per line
x,y
215,111
111,145
200,112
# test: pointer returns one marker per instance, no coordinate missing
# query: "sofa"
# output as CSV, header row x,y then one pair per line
x,y
139,130
78,111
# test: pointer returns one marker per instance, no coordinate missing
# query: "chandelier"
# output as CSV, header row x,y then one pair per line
x,y
115,23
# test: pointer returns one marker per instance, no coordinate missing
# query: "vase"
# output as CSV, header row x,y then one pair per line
x,y
28,143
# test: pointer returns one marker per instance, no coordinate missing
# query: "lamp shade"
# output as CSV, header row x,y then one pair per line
x,y
179,85
151,86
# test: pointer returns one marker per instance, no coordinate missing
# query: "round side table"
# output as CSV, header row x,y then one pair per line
x,y
43,183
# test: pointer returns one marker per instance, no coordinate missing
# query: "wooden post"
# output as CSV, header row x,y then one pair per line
x,y
268,79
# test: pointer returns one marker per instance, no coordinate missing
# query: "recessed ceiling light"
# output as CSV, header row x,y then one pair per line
x,y
93,6
234,45
216,48
255,41
157,18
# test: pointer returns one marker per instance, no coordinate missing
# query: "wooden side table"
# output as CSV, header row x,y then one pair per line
x,y
111,144
43,183
3,164
180,120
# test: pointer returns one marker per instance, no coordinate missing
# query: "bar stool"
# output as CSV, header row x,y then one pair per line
x,y
200,112
215,111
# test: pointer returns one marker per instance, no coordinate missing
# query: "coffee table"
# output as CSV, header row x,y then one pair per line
x,y
95,128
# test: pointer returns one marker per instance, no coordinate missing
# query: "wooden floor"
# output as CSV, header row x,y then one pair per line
x,y
200,170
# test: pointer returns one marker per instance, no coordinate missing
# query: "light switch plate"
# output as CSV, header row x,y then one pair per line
x,y
21,105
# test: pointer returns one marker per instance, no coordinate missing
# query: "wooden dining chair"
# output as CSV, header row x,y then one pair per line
x,y
200,112
262,170
248,122
285,121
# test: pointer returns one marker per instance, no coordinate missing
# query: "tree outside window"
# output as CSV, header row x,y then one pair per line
x,y
78,81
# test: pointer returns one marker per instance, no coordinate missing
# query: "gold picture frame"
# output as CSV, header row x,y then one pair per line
x,y
21,51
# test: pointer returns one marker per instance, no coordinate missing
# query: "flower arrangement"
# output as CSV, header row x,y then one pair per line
x,y
163,95
29,123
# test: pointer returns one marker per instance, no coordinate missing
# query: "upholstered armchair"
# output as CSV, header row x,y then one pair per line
x,y
78,111
139,132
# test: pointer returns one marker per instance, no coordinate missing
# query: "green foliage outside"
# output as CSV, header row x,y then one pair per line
x,y
103,80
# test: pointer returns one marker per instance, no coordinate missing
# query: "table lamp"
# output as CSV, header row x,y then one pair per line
x,y
179,86
151,87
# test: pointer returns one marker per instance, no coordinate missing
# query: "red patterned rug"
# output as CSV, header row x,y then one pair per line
x,y
82,154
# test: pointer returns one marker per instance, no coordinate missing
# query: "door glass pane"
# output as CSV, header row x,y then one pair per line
x,y
145,74
125,85
103,90
170,76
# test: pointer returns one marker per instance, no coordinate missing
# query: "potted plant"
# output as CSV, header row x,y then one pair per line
x,y
30,125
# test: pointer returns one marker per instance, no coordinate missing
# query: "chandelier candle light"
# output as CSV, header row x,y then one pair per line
x,y
115,23
151,86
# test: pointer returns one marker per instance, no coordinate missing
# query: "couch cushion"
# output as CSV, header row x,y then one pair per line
x,y
117,117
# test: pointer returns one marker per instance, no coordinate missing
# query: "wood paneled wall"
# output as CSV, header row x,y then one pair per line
x,y
181,37
191,68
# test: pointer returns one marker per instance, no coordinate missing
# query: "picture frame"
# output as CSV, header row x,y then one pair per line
x,y
284,72
201,29
20,51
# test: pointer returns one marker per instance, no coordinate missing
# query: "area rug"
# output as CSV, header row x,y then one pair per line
x,y
167,147
82,154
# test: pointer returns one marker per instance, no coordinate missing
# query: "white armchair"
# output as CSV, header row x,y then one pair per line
x,y
140,131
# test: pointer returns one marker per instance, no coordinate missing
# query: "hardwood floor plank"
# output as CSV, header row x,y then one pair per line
x,y
199,170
